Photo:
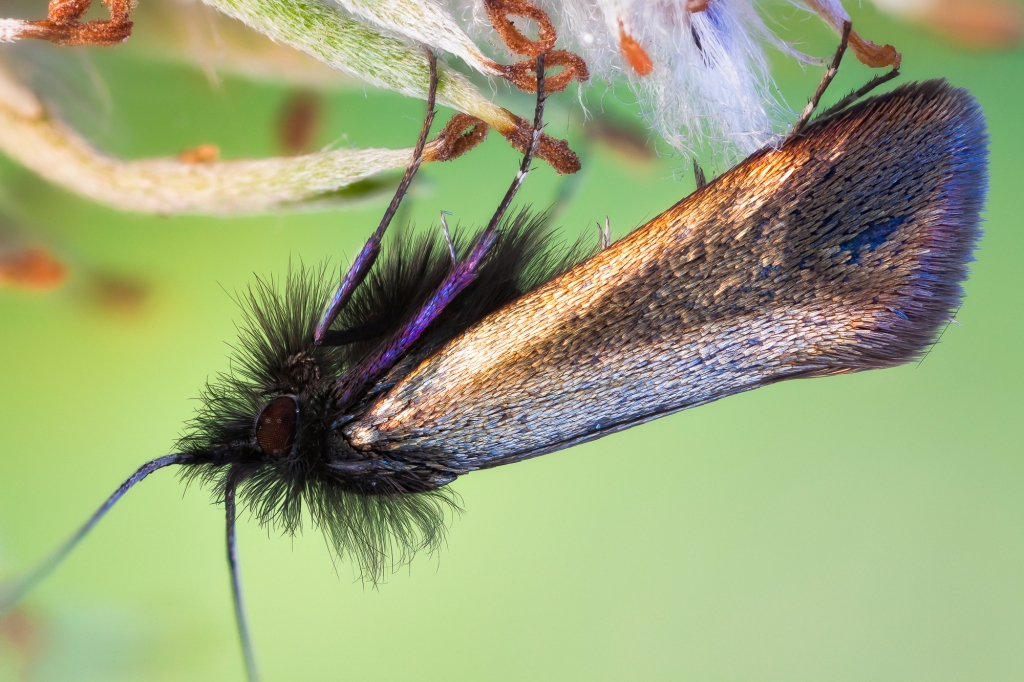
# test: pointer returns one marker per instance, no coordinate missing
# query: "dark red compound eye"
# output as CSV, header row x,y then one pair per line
x,y
275,427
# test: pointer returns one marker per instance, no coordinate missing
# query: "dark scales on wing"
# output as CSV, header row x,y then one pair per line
x,y
279,378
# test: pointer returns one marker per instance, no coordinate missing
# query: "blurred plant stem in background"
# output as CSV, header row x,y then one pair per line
x,y
973,24
187,31
699,68
193,183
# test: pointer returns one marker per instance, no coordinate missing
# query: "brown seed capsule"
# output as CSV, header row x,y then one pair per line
x,y
556,152
62,25
523,75
462,133
498,11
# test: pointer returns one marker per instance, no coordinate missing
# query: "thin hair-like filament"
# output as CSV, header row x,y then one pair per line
x,y
11,594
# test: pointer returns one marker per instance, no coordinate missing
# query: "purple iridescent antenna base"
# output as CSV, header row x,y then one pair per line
x,y
358,379
364,261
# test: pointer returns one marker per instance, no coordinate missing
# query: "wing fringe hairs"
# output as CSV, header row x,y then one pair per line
x,y
381,531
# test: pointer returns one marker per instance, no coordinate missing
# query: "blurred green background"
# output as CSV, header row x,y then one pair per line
x,y
861,527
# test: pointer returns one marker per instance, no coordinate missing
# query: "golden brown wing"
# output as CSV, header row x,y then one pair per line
x,y
843,250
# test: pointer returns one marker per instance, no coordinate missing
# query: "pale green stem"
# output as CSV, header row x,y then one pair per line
x,y
325,33
423,21
166,185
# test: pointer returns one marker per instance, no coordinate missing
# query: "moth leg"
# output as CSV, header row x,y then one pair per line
x,y
860,92
448,237
356,380
236,583
342,337
366,258
605,233
830,73
698,175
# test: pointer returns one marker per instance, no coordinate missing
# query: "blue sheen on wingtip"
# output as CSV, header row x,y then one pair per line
x,y
871,238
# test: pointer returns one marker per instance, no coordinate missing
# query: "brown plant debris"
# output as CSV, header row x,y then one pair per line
x,y
555,152
63,25
524,74
299,121
498,11
204,153
33,268
462,133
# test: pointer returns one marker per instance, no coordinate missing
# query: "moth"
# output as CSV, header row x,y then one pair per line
x,y
842,249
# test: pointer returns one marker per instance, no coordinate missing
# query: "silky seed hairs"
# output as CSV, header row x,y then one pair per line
x,y
844,248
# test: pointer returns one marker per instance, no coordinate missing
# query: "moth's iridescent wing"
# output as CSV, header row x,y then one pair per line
x,y
844,250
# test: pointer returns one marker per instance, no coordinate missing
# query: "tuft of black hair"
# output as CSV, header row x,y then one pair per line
x,y
378,528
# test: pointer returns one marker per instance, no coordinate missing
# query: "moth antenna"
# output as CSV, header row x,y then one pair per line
x,y
861,92
366,258
236,583
830,73
698,175
448,237
11,595
358,378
